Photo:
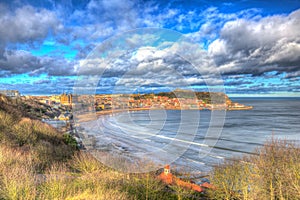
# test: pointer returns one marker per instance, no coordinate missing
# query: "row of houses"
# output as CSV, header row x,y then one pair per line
x,y
125,102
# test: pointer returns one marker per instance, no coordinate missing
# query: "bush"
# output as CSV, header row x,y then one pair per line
x,y
43,141
85,163
18,183
57,183
274,173
17,174
24,132
70,141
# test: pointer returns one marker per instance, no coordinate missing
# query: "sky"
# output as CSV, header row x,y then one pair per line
x,y
242,47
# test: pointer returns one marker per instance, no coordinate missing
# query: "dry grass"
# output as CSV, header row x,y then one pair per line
x,y
17,174
82,177
274,173
37,163
86,163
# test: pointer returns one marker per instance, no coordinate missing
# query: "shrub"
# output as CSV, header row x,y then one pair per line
x,y
145,186
57,184
86,163
23,132
277,170
17,174
274,173
18,183
6,124
70,141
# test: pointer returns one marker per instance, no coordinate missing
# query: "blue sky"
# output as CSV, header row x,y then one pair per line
x,y
250,48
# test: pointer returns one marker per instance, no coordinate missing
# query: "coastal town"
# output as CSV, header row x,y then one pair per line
x,y
175,100
59,107
58,110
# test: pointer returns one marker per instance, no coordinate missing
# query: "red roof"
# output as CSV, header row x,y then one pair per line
x,y
168,178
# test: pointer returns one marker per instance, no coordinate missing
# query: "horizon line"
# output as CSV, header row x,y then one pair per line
x,y
275,95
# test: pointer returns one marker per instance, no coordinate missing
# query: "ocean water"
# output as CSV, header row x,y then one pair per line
x,y
197,139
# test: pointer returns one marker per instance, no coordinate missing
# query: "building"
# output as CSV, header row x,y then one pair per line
x,y
66,99
168,178
10,93
63,117
54,99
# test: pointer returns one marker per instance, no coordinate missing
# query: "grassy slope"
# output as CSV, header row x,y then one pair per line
x,y
22,107
37,163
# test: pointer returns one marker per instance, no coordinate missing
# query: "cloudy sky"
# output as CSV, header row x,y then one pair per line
x,y
250,47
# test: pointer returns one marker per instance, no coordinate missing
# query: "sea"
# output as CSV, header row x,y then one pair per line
x,y
197,140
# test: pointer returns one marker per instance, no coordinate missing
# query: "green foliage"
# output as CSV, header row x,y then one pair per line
x,y
207,97
167,94
70,141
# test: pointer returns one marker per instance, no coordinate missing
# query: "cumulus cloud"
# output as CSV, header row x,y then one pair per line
x,y
119,12
26,24
207,25
159,66
104,18
20,61
259,46
242,43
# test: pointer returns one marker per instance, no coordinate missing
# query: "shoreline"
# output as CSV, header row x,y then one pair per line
x,y
95,115
106,112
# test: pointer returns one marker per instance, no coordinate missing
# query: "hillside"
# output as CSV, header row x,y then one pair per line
x,y
38,162
28,107
21,129
207,97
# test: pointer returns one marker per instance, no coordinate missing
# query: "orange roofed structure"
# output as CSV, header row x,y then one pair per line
x,y
167,177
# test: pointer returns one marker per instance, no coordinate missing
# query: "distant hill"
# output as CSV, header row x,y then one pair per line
x,y
207,97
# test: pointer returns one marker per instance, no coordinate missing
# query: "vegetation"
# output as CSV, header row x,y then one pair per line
x,y
207,97
31,108
274,173
38,162
26,136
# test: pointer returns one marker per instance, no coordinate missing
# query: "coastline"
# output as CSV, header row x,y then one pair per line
x,y
108,112
94,115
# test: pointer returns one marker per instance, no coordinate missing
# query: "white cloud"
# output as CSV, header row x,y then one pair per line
x,y
285,52
20,61
27,24
161,63
206,26
257,46
218,47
